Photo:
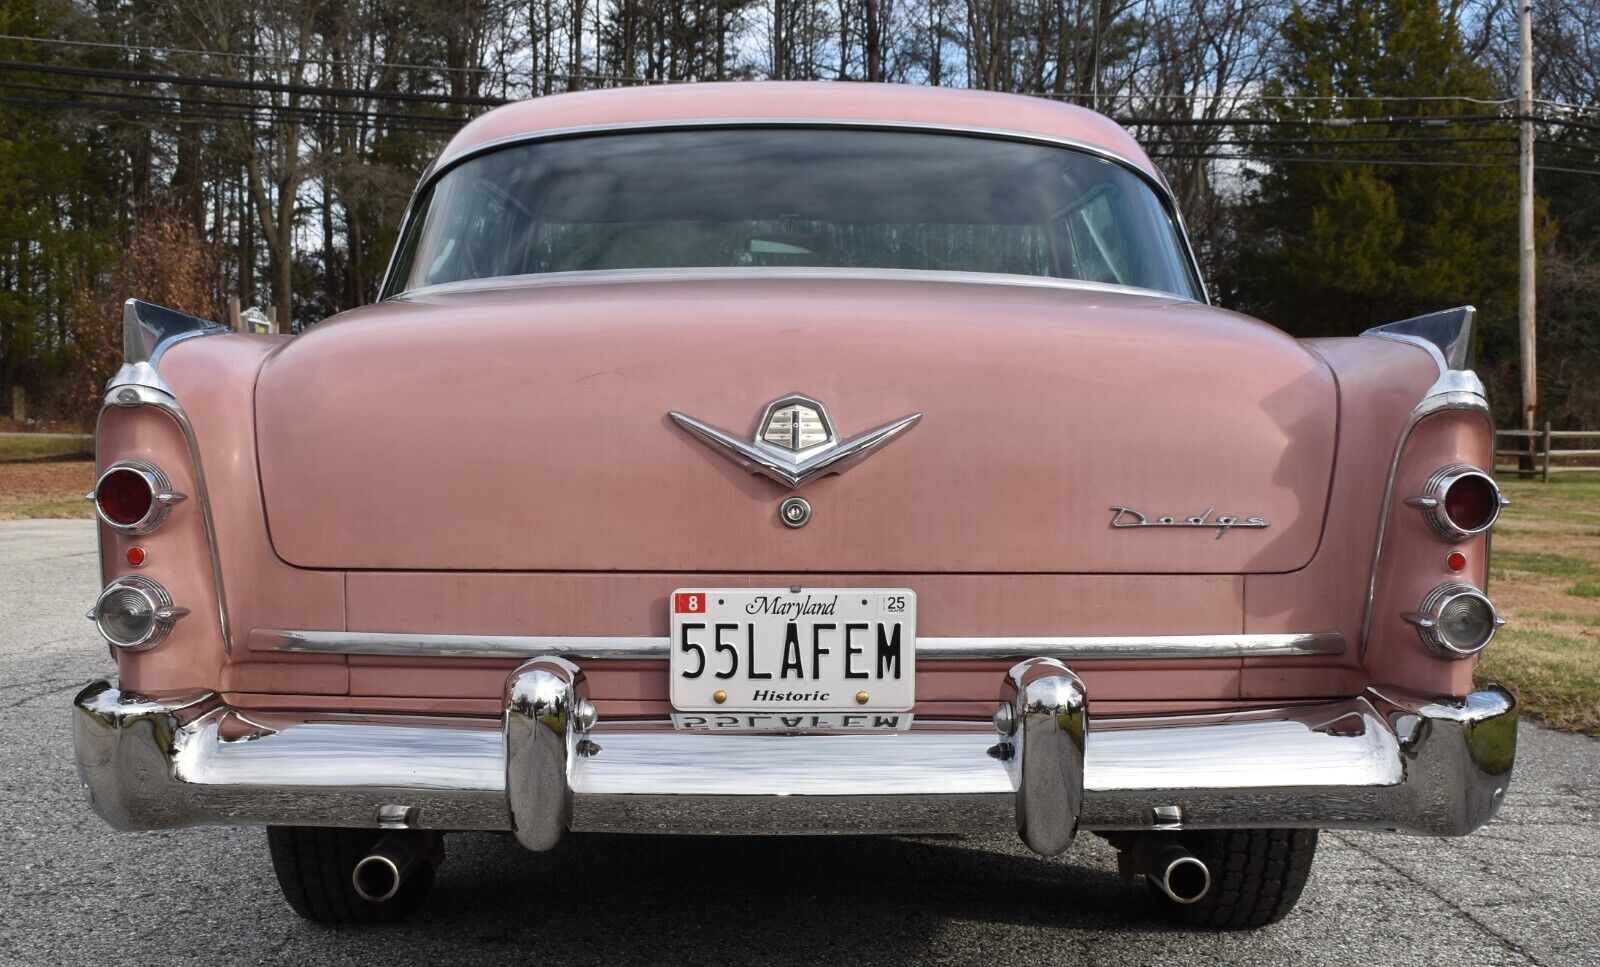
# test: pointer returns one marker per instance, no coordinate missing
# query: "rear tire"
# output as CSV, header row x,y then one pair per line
x,y
314,867
1257,876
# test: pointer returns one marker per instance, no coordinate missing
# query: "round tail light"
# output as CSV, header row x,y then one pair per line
x,y
1456,620
1459,502
135,613
133,497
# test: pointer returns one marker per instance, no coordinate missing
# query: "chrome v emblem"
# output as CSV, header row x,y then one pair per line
x,y
794,442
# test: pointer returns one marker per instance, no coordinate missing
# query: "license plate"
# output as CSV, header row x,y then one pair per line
x,y
791,721
823,650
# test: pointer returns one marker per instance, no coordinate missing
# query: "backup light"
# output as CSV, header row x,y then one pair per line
x,y
1456,620
135,613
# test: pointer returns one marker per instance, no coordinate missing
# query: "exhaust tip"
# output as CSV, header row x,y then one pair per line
x,y
1182,876
1186,880
376,878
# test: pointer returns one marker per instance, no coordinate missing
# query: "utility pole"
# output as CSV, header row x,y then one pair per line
x,y
1525,303
1094,62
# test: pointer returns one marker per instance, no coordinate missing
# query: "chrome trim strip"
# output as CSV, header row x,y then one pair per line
x,y
1455,389
1381,760
778,272
1110,647
1163,190
1137,647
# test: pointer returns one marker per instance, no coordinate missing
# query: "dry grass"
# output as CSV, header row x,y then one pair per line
x,y
42,447
1545,578
52,488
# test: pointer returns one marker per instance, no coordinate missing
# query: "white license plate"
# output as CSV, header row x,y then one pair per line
x,y
818,650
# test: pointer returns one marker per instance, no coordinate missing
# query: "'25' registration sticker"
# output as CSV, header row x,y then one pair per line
x,y
689,602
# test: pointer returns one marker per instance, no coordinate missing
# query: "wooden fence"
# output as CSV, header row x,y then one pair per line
x,y
1542,446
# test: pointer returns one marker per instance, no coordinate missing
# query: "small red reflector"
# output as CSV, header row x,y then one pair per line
x,y
124,496
136,555
1457,561
689,603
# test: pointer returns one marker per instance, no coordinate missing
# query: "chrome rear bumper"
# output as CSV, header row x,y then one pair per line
x,y
1383,760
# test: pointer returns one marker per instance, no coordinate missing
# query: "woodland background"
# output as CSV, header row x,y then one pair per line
x,y
1341,163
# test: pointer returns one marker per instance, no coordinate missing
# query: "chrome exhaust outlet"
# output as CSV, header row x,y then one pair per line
x,y
1175,871
378,876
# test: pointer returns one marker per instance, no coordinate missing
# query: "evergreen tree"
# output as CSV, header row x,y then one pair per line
x,y
1361,223
56,229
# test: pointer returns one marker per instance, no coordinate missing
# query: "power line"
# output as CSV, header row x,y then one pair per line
x,y
268,87
1431,160
312,90
1278,98
1395,162
1341,142
237,109
507,73
186,117
247,55
318,114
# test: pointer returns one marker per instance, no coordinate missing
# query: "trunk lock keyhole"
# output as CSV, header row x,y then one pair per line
x,y
794,512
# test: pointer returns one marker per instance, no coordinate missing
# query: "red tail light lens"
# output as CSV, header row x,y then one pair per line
x,y
1472,502
134,497
1459,501
125,496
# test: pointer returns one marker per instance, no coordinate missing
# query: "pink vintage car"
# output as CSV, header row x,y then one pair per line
x,y
795,459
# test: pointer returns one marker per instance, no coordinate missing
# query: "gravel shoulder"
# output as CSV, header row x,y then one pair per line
x,y
1523,890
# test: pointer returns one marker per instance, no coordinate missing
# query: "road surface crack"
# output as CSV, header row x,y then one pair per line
x,y
1506,942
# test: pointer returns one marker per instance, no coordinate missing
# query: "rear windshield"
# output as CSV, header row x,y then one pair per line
x,y
799,197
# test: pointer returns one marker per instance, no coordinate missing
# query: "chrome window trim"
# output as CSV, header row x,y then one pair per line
x,y
775,272
600,647
138,383
1454,390
440,166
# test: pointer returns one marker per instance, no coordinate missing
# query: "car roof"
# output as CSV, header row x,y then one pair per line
x,y
799,101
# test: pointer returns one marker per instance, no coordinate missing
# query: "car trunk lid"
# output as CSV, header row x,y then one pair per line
x,y
525,427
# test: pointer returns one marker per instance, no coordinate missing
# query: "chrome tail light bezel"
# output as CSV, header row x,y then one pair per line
x,y
1434,510
1427,617
162,497
164,614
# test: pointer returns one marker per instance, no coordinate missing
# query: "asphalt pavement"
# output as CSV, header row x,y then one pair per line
x,y
1524,890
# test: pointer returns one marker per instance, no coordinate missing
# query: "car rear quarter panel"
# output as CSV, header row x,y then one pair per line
x,y
214,378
